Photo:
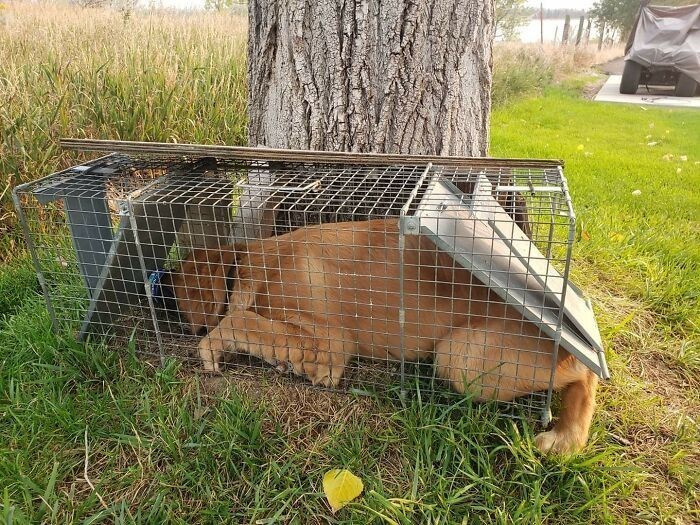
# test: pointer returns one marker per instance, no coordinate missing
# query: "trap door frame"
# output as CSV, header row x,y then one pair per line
x,y
134,257
468,228
87,216
109,257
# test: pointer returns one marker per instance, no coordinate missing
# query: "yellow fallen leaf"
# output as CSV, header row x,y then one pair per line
x,y
341,487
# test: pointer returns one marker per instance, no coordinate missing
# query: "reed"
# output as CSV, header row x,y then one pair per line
x,y
72,72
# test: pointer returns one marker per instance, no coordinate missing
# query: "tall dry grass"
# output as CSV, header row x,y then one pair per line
x,y
67,71
525,69
161,76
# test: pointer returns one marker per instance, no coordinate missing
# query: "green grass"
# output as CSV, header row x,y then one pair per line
x,y
17,283
168,445
158,449
639,257
646,243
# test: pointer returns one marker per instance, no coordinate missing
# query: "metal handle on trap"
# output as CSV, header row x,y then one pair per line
x,y
306,187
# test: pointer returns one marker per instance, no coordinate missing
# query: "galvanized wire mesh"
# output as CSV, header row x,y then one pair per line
x,y
160,252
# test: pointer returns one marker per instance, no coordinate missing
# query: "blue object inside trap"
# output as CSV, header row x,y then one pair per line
x,y
160,292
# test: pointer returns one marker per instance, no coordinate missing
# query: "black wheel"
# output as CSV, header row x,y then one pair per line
x,y
630,77
686,86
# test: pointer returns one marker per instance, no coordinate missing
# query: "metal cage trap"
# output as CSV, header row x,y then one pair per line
x,y
373,270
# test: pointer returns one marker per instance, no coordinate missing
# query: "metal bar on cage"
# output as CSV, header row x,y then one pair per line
x,y
550,233
547,412
33,254
144,273
402,246
290,155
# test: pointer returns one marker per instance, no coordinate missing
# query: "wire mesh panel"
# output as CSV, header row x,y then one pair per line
x,y
345,274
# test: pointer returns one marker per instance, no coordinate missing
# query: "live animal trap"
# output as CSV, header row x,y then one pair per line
x,y
379,269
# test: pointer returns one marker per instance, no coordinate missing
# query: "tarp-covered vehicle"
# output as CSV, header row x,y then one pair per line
x,y
664,49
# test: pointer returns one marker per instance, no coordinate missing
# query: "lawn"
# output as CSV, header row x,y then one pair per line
x,y
634,175
166,444
94,434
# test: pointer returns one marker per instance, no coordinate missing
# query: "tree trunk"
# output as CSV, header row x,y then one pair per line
x,y
393,76
388,76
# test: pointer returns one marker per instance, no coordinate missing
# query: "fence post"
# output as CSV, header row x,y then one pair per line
x,y
565,32
579,33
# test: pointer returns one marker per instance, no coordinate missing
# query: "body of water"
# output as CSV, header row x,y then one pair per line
x,y
530,32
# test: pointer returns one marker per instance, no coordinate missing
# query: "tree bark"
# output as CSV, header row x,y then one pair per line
x,y
394,76
388,76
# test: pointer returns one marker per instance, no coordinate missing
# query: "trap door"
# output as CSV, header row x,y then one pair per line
x,y
88,217
146,225
105,240
477,232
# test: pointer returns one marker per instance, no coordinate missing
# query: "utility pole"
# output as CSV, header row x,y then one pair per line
x,y
541,23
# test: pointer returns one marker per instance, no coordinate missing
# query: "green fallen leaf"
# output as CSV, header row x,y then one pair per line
x,y
341,487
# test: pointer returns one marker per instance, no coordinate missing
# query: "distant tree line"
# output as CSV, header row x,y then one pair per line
x,y
614,18
220,5
619,15
510,15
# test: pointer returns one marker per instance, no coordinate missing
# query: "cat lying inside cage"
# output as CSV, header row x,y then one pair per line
x,y
311,300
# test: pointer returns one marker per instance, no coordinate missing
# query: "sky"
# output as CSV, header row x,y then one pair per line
x,y
571,4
